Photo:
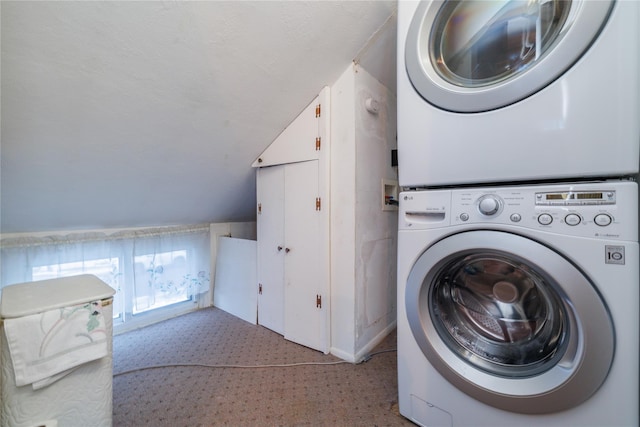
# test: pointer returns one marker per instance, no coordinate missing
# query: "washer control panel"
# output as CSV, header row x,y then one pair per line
x,y
607,209
587,212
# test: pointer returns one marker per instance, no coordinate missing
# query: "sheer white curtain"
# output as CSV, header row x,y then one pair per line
x,y
149,268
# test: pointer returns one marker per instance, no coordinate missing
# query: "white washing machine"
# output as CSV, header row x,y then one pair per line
x,y
519,305
502,91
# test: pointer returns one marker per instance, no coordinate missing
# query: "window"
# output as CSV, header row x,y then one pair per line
x,y
161,279
106,269
153,271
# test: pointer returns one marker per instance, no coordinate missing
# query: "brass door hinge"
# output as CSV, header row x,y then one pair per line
x,y
318,301
318,142
318,110
318,203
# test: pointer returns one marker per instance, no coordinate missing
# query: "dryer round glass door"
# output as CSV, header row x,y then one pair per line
x,y
509,321
471,56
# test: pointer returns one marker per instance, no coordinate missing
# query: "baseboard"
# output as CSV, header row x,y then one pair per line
x,y
364,351
348,357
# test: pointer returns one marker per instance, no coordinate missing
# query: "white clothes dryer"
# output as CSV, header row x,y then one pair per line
x,y
500,91
519,305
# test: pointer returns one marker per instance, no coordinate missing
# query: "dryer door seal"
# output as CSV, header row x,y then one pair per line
x,y
471,56
509,321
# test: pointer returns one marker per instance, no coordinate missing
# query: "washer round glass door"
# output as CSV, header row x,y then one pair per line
x,y
509,321
472,56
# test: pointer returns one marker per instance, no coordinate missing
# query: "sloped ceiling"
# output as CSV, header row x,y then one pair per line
x,y
126,114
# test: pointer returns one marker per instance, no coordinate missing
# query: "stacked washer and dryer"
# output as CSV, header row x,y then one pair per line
x,y
518,259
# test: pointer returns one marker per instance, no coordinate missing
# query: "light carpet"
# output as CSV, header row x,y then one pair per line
x,y
187,395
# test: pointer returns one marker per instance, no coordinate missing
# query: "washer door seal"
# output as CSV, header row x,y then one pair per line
x,y
574,331
470,56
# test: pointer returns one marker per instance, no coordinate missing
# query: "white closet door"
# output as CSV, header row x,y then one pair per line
x,y
270,225
305,281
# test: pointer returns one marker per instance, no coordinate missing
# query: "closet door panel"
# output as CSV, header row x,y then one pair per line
x,y
305,318
270,230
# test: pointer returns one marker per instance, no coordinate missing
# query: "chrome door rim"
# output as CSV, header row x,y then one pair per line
x,y
583,367
584,24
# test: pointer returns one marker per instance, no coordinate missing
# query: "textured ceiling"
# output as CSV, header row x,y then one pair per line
x,y
125,114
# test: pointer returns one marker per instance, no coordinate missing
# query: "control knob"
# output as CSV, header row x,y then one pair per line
x,y
489,205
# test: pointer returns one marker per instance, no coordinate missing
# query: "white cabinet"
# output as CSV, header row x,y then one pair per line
x,y
341,257
363,228
293,235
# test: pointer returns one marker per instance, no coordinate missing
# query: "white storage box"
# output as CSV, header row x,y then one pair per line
x,y
83,397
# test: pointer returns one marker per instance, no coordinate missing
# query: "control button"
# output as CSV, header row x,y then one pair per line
x,y
488,205
545,219
572,219
464,216
515,217
602,220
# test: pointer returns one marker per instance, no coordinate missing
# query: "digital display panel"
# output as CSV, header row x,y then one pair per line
x,y
589,196
576,198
